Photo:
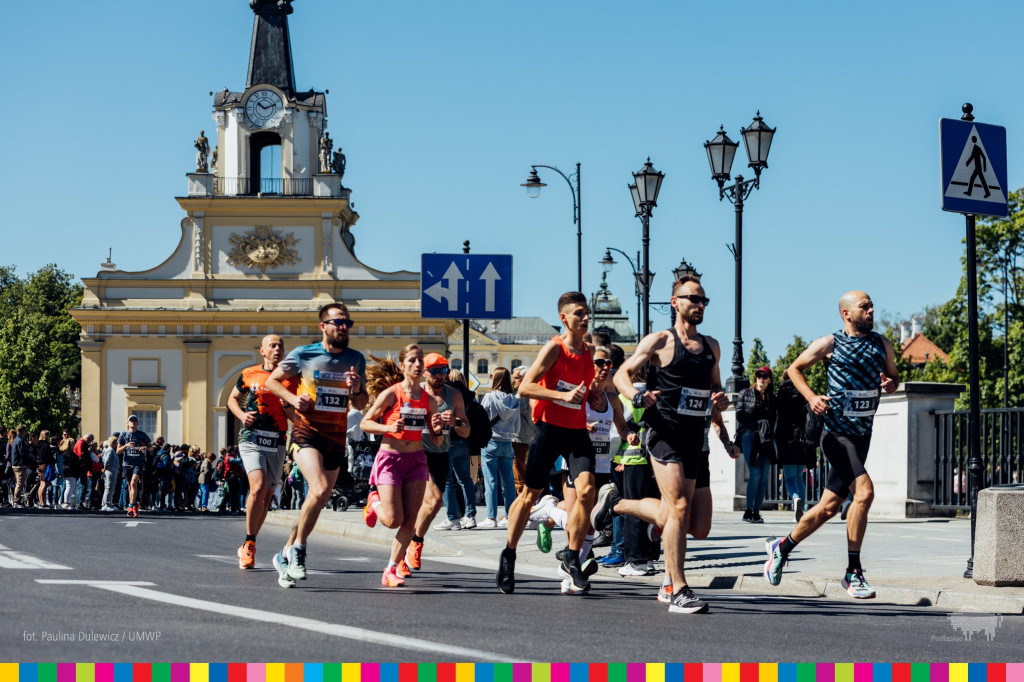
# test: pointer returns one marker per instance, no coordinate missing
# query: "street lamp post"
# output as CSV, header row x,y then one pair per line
x,y
757,138
533,185
645,188
682,270
606,264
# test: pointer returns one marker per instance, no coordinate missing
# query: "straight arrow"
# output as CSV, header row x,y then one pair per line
x,y
490,276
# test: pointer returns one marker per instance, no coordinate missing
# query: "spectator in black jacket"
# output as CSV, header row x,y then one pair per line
x,y
21,462
44,459
755,417
797,430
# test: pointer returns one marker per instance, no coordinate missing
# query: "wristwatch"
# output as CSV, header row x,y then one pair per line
x,y
458,422
638,399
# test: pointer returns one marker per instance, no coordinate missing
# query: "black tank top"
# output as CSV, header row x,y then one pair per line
x,y
685,385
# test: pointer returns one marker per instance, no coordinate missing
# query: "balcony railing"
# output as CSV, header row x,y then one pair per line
x,y
266,187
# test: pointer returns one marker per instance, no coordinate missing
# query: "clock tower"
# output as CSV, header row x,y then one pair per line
x,y
266,241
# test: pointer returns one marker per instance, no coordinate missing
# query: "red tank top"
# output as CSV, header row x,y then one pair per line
x,y
414,412
568,372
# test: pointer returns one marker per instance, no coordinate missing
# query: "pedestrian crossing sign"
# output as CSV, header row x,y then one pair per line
x,y
973,165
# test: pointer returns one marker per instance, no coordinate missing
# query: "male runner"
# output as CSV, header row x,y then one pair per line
x,y
133,444
451,409
332,377
862,361
261,440
683,386
558,382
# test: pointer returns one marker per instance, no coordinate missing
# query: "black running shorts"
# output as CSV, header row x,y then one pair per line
x,y
681,445
439,466
331,451
548,443
846,456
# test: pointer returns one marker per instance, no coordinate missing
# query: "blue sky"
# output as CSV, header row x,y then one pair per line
x,y
442,108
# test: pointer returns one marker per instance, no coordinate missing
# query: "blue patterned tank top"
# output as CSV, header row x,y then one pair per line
x,y
853,383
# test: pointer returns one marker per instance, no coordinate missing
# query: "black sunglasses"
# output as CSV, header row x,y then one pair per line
x,y
602,363
340,322
695,299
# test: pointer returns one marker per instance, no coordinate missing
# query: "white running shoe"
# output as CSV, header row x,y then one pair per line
x,y
488,523
448,524
503,523
631,569
468,522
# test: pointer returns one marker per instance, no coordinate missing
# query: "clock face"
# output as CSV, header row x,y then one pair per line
x,y
264,109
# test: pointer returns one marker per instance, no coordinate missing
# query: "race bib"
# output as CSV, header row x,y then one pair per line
x,y
566,386
330,399
860,403
415,418
694,402
266,440
601,438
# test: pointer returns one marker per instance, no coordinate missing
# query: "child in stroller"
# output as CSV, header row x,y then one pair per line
x,y
353,486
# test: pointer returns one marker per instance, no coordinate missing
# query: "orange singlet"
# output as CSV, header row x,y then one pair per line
x,y
568,372
414,412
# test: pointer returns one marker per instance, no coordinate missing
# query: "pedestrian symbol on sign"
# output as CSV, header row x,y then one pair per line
x,y
974,176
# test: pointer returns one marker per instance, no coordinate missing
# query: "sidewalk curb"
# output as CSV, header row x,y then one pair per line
x,y
808,587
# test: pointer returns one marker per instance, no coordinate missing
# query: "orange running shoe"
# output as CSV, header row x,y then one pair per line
x,y
247,555
369,513
402,569
414,555
665,594
390,578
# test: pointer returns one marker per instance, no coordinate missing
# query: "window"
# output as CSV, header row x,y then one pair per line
x,y
481,367
516,363
456,363
147,422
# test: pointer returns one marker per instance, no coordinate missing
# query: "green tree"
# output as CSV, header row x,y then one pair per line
x,y
758,358
815,376
39,355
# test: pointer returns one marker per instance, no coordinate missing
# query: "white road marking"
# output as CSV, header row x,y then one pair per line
x,y
141,591
133,524
222,559
17,560
351,558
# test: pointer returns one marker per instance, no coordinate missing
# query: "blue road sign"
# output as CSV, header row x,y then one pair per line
x,y
466,286
973,163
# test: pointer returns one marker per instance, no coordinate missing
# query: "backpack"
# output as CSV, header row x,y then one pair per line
x,y
479,425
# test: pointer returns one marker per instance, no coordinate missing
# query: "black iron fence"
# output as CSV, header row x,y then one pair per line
x,y
1001,453
293,187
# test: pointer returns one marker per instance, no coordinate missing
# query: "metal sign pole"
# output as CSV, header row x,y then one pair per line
x,y
465,333
975,467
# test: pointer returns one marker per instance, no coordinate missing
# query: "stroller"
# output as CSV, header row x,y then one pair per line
x,y
351,488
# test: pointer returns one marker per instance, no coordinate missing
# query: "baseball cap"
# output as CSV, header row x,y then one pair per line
x,y
434,360
763,370
133,418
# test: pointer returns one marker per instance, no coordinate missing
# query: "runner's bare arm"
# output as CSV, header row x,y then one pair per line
x,y
813,354
247,418
731,448
644,353
274,385
891,376
620,421
718,397
435,426
370,424
529,388
358,395
459,408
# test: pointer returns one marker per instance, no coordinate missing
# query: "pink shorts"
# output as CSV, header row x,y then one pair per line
x,y
396,468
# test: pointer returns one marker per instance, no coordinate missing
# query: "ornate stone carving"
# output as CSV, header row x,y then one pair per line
x,y
197,244
263,247
325,152
202,146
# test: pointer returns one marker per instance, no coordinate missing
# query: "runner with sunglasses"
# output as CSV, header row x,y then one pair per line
x,y
451,409
683,385
332,377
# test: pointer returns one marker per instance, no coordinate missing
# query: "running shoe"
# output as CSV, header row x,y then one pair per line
x,y
687,602
414,555
468,522
665,594
281,564
391,578
653,533
856,585
506,578
773,567
573,572
589,567
748,516
543,538
369,513
612,560
402,569
503,523
651,568
756,518
543,503
247,555
798,509
607,498
562,553
633,569
488,523
297,563
448,524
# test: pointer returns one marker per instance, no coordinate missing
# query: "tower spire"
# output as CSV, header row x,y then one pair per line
x,y
270,57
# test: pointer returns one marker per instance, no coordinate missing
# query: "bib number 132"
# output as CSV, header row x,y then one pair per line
x,y
329,399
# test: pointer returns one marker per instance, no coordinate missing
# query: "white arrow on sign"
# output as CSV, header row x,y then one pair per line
x,y
490,276
451,292
133,524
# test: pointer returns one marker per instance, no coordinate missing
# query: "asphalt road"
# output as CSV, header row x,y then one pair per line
x,y
92,588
